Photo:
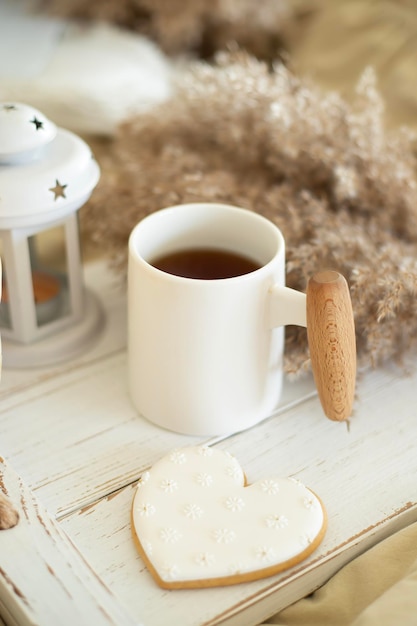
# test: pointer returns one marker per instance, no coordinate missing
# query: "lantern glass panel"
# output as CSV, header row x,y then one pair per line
x,y
48,259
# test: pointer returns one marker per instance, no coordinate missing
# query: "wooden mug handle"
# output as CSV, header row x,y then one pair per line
x,y
331,338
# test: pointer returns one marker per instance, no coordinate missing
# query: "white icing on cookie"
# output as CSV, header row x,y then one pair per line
x,y
234,503
204,479
224,535
168,485
192,511
276,521
169,535
178,457
196,520
146,508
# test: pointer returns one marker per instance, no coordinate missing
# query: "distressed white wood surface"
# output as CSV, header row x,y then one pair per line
x,y
43,577
72,436
242,605
83,438
368,485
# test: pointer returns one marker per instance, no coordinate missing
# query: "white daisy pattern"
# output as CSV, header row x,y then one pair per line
x,y
178,457
269,486
204,479
205,451
170,571
146,509
234,504
205,559
265,554
309,502
224,535
168,485
143,479
193,511
170,535
234,471
276,521
296,481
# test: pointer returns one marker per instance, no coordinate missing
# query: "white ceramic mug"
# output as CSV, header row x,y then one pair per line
x,y
205,357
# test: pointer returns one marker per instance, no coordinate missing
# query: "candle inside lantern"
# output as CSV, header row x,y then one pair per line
x,y
46,295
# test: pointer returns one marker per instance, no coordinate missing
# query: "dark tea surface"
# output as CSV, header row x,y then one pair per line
x,y
205,263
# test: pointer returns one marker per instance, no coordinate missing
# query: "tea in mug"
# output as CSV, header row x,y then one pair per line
x,y
205,263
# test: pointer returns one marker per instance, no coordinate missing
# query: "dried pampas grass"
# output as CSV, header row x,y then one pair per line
x,y
190,26
341,189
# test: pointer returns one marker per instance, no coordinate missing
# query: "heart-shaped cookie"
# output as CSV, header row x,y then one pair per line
x,y
197,524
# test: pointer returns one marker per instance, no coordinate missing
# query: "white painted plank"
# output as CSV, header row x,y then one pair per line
x,y
82,438
43,579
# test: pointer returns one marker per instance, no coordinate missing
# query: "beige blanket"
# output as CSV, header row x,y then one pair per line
x,y
338,38
379,588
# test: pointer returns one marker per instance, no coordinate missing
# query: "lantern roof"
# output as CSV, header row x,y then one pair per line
x,y
45,172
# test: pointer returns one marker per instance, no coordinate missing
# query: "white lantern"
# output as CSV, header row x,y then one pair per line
x,y
46,175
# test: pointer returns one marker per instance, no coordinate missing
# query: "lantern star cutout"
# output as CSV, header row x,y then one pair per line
x,y
58,190
9,107
37,123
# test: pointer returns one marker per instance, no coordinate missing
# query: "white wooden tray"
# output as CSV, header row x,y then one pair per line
x,y
72,448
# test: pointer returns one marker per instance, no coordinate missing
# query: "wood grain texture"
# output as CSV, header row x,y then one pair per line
x,y
331,338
